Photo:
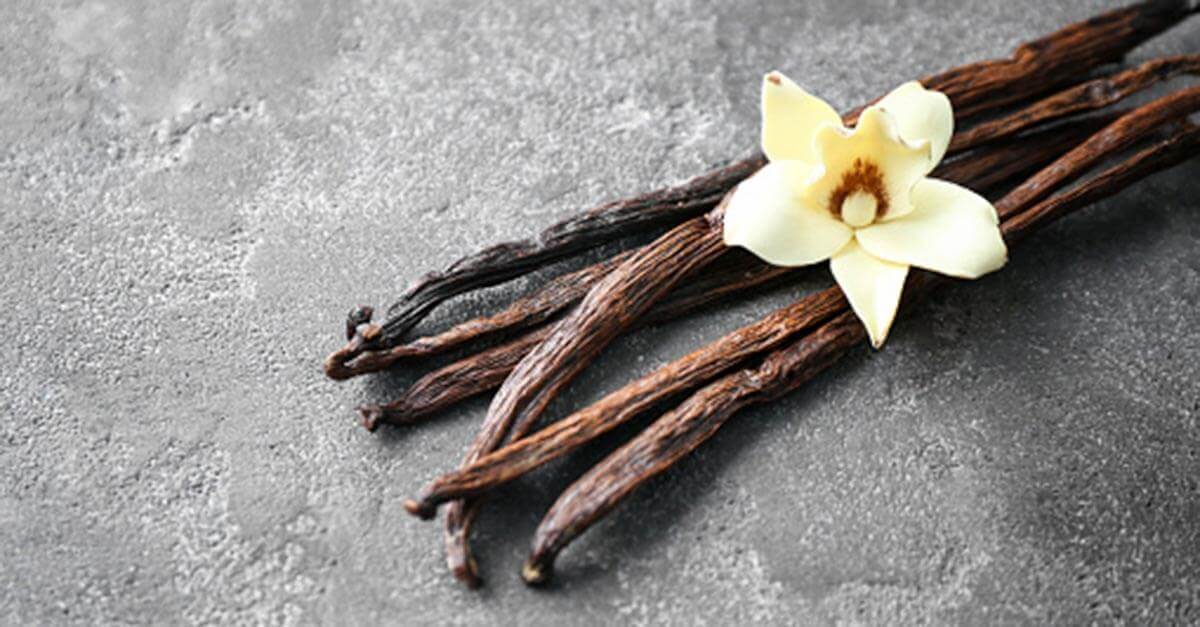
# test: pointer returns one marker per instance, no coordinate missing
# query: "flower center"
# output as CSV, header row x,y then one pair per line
x,y
860,198
858,209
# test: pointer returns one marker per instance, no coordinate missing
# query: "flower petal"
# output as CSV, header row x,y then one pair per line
x,y
766,216
873,151
921,115
951,230
790,119
872,286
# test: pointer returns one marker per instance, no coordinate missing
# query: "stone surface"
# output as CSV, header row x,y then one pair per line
x,y
194,194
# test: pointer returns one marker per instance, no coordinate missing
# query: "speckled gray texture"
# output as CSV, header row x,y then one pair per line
x,y
194,194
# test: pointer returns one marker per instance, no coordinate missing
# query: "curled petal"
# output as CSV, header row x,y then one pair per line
x,y
870,158
790,119
951,230
872,286
921,115
766,216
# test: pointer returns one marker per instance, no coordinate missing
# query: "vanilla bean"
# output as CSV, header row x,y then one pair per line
x,y
453,383
1182,145
1034,68
986,168
486,370
602,224
608,310
1117,136
1089,96
681,430
625,403
549,300
1059,57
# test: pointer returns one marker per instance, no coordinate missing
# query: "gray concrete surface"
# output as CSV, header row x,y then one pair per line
x,y
195,193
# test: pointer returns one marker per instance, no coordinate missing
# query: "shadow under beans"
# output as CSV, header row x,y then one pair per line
x,y
1093,463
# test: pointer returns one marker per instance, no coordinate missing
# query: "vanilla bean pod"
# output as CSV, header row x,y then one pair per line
x,y
547,301
608,310
473,375
487,369
620,406
1089,96
1117,136
1059,57
681,430
1033,68
1013,158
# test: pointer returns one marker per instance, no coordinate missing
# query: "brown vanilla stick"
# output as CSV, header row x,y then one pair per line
x,y
546,302
1059,57
581,427
609,309
486,370
1034,68
1115,137
619,407
479,373
1089,96
986,168
681,430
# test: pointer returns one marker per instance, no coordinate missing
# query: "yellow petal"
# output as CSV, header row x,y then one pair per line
x,y
951,230
872,286
766,216
875,148
790,118
921,115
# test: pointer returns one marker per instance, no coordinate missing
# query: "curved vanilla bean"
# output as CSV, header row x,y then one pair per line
x,y
1034,68
681,430
635,286
627,402
453,383
605,223
1089,96
673,436
1117,136
608,310
546,302
1040,65
1183,144
486,370
986,168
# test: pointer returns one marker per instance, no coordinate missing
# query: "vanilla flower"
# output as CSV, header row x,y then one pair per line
x,y
862,198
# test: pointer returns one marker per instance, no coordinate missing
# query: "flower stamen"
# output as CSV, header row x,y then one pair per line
x,y
861,197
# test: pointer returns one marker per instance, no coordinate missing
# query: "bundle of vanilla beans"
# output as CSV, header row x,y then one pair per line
x,y
1040,134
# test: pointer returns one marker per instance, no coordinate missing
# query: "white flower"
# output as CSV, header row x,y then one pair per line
x,y
861,198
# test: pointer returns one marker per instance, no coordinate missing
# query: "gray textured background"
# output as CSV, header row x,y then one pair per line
x,y
195,193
